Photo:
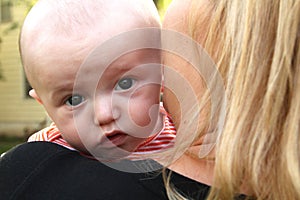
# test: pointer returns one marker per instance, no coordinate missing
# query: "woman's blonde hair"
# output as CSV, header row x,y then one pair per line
x,y
256,47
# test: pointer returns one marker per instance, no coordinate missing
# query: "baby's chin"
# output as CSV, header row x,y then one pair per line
x,y
111,152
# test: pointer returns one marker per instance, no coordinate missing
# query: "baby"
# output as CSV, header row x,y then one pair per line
x,y
95,67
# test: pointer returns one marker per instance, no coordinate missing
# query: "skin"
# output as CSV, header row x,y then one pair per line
x,y
188,164
110,113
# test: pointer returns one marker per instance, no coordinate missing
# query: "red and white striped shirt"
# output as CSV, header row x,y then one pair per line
x,y
156,143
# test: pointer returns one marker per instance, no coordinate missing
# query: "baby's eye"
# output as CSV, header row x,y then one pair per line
x,y
125,84
75,100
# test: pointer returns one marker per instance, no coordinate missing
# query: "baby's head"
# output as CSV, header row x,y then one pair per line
x,y
59,38
77,26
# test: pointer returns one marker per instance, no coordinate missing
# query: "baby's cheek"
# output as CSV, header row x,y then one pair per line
x,y
144,105
70,134
142,112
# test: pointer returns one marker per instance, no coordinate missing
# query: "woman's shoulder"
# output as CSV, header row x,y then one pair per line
x,y
42,170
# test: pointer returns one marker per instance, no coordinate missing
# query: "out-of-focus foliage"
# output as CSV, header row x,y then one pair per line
x,y
27,3
162,6
13,24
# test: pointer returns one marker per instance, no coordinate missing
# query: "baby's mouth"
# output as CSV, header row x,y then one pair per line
x,y
116,137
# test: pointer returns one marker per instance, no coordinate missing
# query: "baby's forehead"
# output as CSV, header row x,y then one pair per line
x,y
66,16
98,20
123,62
64,28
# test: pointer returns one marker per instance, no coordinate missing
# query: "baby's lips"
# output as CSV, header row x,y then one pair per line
x,y
113,138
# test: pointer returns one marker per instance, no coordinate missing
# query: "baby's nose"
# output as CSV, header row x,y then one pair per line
x,y
105,111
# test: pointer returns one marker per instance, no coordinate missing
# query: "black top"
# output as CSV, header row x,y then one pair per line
x,y
42,170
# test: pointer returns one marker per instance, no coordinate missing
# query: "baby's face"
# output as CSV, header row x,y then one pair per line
x,y
107,108
106,101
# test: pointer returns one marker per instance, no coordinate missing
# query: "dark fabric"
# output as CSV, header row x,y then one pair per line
x,y
42,171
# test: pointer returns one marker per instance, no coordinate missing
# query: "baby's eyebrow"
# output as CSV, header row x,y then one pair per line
x,y
61,91
119,69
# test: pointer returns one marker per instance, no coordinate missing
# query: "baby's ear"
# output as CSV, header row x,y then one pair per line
x,y
34,95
